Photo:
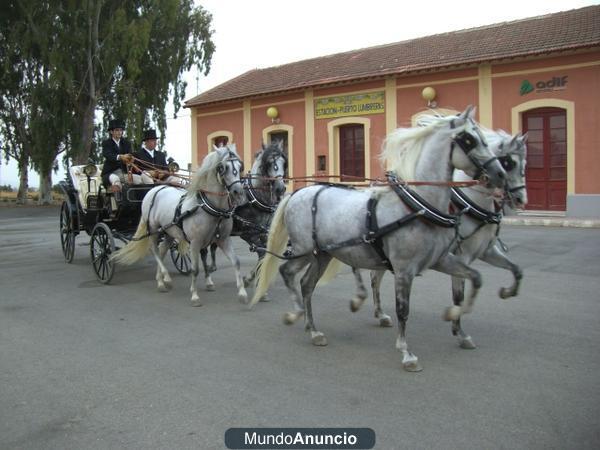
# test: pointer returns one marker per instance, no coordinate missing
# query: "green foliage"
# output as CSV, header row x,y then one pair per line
x,y
63,61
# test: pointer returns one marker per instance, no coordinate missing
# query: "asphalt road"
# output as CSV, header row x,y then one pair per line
x,y
89,366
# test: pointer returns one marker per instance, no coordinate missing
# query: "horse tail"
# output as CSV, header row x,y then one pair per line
x,y
333,268
183,247
278,239
136,249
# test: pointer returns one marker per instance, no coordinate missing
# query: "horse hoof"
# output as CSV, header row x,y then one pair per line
x,y
452,313
412,366
318,339
163,288
467,343
210,287
243,299
196,302
290,318
212,269
355,304
505,293
385,321
265,298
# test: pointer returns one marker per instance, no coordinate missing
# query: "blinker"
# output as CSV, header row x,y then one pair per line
x,y
465,141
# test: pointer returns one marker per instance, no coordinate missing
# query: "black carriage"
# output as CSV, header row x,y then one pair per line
x,y
108,218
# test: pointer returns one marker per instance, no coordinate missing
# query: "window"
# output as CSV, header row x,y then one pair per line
x,y
352,152
220,141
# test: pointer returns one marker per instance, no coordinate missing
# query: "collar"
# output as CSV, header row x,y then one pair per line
x,y
150,152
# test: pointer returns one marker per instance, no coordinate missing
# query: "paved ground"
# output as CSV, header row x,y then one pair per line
x,y
88,366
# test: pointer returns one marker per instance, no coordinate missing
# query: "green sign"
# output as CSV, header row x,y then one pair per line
x,y
526,87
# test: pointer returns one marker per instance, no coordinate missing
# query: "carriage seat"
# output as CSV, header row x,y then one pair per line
x,y
80,182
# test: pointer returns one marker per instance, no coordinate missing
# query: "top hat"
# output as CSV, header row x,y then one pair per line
x,y
149,134
116,123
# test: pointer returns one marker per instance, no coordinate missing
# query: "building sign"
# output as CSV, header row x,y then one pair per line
x,y
554,84
350,105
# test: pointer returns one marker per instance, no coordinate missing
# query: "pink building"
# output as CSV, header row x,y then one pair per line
x,y
539,75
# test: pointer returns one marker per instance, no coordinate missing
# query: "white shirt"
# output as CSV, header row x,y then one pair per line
x,y
150,152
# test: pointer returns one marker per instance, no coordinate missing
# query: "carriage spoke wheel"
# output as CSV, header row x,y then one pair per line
x,y
67,232
183,263
102,245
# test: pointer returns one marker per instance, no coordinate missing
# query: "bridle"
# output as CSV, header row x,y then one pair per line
x,y
222,169
467,142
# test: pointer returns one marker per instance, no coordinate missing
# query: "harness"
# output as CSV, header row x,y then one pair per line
x,y
254,200
374,233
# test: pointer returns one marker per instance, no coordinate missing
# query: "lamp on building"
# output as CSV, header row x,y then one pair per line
x,y
429,94
273,114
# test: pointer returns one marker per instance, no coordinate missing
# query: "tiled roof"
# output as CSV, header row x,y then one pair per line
x,y
563,31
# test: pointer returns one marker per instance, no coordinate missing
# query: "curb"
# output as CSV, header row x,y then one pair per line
x,y
551,222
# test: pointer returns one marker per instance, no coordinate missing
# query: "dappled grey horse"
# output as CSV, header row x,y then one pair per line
x,y
480,210
376,229
264,187
199,215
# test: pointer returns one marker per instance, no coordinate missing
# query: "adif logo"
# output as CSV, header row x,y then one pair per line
x,y
526,87
554,84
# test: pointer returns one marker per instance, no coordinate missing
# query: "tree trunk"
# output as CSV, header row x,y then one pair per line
x,y
81,151
45,194
23,181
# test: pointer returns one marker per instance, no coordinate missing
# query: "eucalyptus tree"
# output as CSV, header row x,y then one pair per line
x,y
125,57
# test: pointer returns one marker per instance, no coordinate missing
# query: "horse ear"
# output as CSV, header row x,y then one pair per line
x,y
233,148
215,148
264,147
524,137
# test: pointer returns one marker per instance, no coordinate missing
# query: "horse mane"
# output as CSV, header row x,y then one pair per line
x,y
402,148
206,173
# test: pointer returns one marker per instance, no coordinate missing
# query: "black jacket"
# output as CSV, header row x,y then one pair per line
x,y
159,161
110,150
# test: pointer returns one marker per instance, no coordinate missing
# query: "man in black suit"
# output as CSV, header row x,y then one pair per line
x,y
117,154
148,158
153,162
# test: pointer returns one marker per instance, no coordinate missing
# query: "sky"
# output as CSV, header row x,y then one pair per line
x,y
266,33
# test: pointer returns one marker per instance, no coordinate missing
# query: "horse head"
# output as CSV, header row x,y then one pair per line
x,y
229,170
471,154
513,157
270,168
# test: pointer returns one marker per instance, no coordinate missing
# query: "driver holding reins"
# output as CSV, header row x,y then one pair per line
x,y
117,154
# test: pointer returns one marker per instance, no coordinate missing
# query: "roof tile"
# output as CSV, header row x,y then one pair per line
x,y
563,31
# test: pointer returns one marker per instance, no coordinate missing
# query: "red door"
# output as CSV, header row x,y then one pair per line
x,y
352,152
546,158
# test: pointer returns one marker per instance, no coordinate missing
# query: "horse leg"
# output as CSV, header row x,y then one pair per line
x,y
163,247
227,247
452,265
497,258
308,284
195,256
208,282
403,284
160,268
458,294
213,260
361,292
289,270
376,277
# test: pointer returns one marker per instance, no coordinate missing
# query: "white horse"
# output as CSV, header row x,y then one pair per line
x,y
199,215
374,228
264,188
478,229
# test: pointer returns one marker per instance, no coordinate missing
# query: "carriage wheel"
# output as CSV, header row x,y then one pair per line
x,y
67,232
183,263
102,244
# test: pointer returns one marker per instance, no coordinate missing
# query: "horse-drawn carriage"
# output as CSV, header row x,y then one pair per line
x,y
105,216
